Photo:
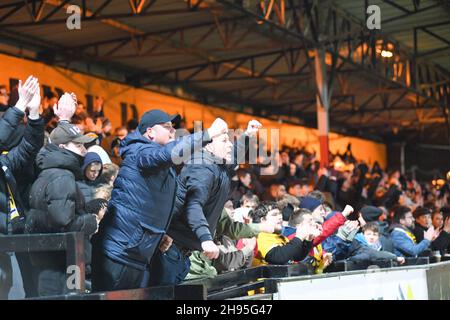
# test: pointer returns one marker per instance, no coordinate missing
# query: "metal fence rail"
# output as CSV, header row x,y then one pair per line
x,y
262,280
72,243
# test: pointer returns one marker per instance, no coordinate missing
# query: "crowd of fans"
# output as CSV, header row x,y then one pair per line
x,y
158,223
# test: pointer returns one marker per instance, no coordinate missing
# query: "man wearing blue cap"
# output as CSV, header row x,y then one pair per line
x,y
142,201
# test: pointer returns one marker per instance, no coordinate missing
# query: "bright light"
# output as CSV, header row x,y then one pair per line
x,y
386,54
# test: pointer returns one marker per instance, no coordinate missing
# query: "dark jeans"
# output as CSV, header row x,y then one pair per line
x,y
169,268
6,279
109,275
52,282
28,276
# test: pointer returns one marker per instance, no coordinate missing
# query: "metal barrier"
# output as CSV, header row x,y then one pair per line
x,y
224,286
426,281
239,283
72,243
264,280
349,265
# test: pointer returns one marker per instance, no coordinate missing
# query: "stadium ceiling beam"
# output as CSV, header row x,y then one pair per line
x,y
397,6
289,56
426,29
417,10
399,71
137,37
137,8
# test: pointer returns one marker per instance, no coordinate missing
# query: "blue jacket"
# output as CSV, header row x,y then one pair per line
x,y
404,246
361,251
337,247
143,198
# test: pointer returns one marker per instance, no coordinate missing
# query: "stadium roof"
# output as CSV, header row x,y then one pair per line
x,y
257,56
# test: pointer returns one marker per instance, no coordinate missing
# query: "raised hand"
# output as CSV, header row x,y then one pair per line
x,y
66,106
348,210
253,127
35,104
26,92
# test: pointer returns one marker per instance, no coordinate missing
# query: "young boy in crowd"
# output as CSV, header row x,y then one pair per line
x,y
367,246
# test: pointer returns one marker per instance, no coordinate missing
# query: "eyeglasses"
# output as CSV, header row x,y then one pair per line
x,y
167,126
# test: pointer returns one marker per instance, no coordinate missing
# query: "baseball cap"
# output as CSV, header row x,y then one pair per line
x,y
309,203
66,132
155,116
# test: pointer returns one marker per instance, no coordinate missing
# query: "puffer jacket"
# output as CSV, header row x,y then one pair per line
x,y
56,202
143,198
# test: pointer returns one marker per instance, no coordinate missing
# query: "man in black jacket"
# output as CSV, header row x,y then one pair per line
x,y
422,216
12,162
203,188
57,204
423,222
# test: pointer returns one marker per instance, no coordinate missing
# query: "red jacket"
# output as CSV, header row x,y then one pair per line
x,y
329,227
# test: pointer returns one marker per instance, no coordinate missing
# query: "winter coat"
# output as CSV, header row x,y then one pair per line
x,y
86,186
361,251
56,202
405,244
13,164
143,198
201,196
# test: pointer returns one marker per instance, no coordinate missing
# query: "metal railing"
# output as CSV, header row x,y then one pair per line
x,y
72,243
228,285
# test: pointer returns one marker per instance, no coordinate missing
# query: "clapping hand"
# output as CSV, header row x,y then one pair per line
x,y
253,127
27,92
66,106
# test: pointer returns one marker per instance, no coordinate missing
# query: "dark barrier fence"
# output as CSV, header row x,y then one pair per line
x,y
72,243
261,280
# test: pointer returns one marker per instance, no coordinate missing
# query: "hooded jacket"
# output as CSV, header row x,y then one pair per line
x,y
13,163
86,186
9,122
56,202
143,198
